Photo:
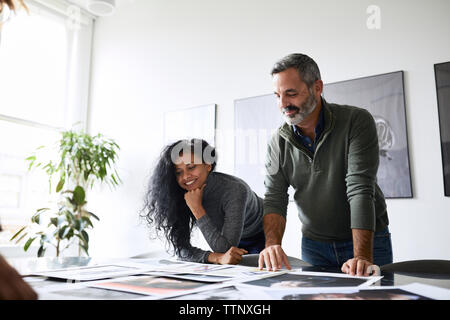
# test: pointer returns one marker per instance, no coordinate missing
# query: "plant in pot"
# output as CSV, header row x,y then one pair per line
x,y
82,162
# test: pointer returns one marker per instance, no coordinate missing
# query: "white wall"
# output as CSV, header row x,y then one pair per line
x,y
155,55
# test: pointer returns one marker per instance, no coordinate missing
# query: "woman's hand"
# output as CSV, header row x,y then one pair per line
x,y
193,200
232,256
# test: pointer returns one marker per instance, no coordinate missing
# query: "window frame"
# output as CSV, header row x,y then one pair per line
x,y
79,56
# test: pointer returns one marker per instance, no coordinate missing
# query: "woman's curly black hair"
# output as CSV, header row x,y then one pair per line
x,y
164,206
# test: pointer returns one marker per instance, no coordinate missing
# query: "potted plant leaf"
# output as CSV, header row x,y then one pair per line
x,y
82,162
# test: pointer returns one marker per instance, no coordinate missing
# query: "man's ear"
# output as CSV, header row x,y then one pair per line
x,y
318,86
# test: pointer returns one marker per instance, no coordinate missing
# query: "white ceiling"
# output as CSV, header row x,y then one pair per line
x,y
80,3
83,3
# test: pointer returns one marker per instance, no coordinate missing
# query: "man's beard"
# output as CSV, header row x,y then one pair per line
x,y
303,111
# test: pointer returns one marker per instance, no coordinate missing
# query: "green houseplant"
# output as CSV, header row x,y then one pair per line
x,y
83,160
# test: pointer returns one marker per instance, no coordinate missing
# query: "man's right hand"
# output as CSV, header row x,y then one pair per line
x,y
274,258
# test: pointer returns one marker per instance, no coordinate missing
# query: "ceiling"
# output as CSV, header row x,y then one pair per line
x,y
83,3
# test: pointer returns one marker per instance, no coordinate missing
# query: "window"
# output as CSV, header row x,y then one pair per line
x,y
33,64
44,68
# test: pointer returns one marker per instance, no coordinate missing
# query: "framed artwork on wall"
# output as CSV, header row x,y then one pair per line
x,y
255,120
442,74
196,122
383,96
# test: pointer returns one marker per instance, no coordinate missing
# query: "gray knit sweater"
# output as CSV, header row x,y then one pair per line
x,y
233,212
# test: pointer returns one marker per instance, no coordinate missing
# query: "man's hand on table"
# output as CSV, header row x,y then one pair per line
x,y
273,257
358,266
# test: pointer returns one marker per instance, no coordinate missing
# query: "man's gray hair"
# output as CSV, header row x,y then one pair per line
x,y
306,67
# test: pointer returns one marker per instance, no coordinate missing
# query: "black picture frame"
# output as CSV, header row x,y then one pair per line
x,y
442,78
383,96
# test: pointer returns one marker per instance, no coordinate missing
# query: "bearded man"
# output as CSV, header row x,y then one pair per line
x,y
329,154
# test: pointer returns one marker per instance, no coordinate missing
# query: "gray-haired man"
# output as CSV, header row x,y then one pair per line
x,y
329,154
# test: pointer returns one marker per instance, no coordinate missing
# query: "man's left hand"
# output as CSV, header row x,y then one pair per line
x,y
357,266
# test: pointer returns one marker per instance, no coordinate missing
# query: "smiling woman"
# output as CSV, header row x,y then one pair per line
x,y
185,191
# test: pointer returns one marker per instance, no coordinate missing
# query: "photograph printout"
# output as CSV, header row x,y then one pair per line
x,y
166,279
191,276
88,293
150,285
414,291
92,272
224,293
369,294
290,280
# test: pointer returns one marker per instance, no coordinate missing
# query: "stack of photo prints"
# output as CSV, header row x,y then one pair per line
x,y
156,279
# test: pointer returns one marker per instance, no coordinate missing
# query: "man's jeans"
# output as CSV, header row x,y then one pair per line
x,y
335,254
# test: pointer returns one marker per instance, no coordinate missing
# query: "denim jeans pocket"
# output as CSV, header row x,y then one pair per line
x,y
383,233
382,248
317,253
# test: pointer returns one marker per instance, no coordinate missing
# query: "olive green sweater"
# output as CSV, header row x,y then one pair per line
x,y
335,188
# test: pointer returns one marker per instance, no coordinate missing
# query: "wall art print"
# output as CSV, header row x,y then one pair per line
x,y
442,74
384,97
